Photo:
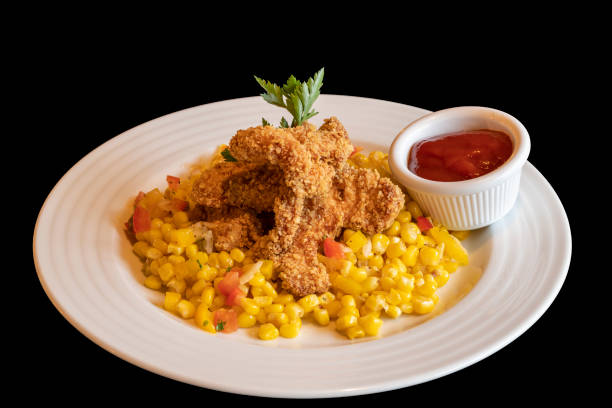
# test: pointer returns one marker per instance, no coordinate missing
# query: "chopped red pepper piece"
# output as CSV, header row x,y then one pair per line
x,y
424,224
173,182
333,249
141,219
178,204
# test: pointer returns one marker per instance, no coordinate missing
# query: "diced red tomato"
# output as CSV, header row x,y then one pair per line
x,y
173,182
356,150
141,219
227,318
233,298
230,281
424,224
139,197
179,205
333,249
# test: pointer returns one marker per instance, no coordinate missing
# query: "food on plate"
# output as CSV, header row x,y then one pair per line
x,y
287,225
460,155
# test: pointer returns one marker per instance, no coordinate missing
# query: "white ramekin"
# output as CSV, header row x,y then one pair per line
x,y
469,204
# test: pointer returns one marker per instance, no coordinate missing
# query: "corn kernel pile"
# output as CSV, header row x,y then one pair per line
x,y
381,276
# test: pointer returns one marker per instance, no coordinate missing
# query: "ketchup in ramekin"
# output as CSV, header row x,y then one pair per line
x,y
460,156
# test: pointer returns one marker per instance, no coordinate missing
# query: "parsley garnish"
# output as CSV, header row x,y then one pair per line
x,y
228,156
199,263
220,325
295,96
205,323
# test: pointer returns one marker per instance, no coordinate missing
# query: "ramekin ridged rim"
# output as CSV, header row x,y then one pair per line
x,y
422,128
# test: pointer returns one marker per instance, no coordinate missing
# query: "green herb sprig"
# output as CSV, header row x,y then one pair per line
x,y
295,96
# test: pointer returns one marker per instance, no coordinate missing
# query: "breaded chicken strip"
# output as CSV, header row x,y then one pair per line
x,y
209,189
232,227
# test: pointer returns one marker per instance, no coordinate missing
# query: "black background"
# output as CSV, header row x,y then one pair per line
x,y
82,92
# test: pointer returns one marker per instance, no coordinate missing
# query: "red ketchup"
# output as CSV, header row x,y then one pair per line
x,y
460,156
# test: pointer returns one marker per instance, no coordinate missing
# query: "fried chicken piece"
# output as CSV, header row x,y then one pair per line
x,y
360,199
209,189
307,157
232,227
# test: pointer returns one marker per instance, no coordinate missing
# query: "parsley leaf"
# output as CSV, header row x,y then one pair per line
x,y
220,325
264,122
295,96
199,263
228,156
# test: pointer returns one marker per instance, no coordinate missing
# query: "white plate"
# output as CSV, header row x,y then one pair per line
x,y
87,269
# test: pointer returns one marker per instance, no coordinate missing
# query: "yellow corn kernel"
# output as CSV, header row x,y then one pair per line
x,y
262,317
179,218
389,271
351,257
409,232
346,321
404,216
326,297
394,229
156,223
161,245
376,262
153,282
346,310
201,258
237,255
269,290
274,308
358,274
289,330
399,264
191,251
321,315
166,230
177,285
309,302
460,235
371,324
246,320
153,253
249,306
198,287
171,300
185,309
347,285
182,237
262,301
268,331
450,266
428,287
203,318
218,302
333,308
414,209
380,243
347,234
267,269
405,282
176,259
206,272
387,283
441,276
348,301
420,242
429,256
369,284
452,246
213,260
258,280
376,302
393,311
153,235
355,332
277,319
143,236
410,257
394,297
396,249
154,266
225,260
294,311
422,304
356,241
140,248
284,298
166,272
175,249
406,308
